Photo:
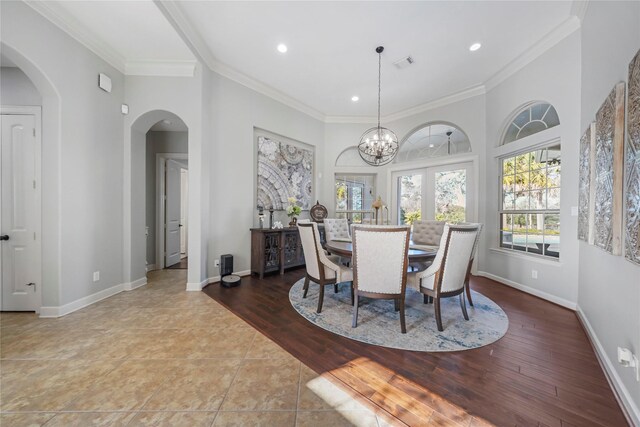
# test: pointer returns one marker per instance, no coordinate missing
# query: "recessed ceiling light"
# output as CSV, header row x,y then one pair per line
x,y
431,145
282,48
355,98
475,47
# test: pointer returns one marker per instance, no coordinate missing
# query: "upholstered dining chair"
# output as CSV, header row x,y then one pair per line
x,y
321,268
426,236
336,228
380,266
473,256
447,275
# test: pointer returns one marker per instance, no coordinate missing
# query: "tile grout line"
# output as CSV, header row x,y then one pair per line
x,y
295,420
233,380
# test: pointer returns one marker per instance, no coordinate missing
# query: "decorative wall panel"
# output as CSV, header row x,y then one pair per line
x,y
632,162
584,185
609,171
283,171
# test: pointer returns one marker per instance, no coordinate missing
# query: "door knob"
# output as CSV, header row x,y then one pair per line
x,y
4,237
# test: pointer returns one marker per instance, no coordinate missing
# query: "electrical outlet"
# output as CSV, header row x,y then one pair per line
x,y
534,274
216,263
96,276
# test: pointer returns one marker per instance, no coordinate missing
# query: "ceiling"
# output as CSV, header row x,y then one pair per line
x,y
331,45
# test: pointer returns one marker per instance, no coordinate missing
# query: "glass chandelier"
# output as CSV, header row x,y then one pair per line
x,y
378,146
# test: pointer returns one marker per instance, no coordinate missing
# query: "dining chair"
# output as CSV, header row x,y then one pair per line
x,y
473,256
321,268
447,275
380,258
336,228
426,235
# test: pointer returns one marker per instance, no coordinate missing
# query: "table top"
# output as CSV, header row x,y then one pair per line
x,y
345,249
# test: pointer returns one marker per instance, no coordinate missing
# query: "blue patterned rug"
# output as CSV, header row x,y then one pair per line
x,y
379,324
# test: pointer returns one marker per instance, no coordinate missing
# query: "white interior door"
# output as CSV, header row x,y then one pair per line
x,y
19,214
172,213
184,191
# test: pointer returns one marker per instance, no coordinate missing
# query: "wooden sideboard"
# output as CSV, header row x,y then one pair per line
x,y
275,250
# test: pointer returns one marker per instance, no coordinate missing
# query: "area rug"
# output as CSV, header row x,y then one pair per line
x,y
379,324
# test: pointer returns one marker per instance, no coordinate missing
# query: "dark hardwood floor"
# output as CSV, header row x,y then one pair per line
x,y
543,372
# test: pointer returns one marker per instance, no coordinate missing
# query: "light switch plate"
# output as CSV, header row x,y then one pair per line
x,y
574,211
104,82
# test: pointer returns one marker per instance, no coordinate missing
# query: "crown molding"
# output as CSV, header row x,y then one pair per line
x,y
555,36
180,22
579,8
440,102
185,68
56,14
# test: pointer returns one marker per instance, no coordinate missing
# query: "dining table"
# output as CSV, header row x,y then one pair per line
x,y
344,248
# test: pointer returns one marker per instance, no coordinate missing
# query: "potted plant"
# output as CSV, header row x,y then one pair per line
x,y
293,210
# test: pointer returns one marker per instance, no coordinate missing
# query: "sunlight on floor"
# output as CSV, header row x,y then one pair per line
x,y
390,391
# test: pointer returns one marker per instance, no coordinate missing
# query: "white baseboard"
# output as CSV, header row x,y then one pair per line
x,y
205,282
197,286
540,294
135,284
151,267
57,311
630,409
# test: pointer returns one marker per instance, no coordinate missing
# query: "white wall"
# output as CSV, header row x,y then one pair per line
x,y
553,77
158,142
17,89
82,155
236,110
609,294
147,98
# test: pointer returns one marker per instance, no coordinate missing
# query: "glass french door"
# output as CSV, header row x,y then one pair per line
x,y
443,193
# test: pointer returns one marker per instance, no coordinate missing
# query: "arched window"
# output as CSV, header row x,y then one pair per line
x,y
532,119
350,157
433,140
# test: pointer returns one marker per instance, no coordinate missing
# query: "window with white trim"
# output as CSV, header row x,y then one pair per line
x,y
530,201
535,118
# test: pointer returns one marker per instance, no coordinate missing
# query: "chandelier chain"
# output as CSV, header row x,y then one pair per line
x,y
379,77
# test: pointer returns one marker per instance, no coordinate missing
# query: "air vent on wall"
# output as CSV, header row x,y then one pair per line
x,y
404,62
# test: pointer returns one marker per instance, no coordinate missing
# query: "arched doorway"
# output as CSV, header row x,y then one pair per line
x,y
159,215
42,279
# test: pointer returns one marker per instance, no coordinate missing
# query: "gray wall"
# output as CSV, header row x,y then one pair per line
x,y
609,294
82,155
158,142
17,89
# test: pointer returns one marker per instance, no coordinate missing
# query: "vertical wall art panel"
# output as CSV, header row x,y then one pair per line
x,y
586,185
632,193
609,172
284,171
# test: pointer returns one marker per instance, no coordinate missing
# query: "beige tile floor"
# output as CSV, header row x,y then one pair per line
x,y
159,356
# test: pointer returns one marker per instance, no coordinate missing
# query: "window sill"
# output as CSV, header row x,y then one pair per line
x,y
528,257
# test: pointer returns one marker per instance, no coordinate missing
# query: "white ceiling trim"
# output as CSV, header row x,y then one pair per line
x,y
184,68
555,36
75,29
185,29
579,8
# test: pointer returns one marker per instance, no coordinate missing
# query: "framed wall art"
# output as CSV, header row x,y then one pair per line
x,y
632,165
285,170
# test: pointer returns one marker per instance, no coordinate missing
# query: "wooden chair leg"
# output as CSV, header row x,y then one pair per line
x,y
438,317
467,288
354,323
320,299
305,287
335,288
425,299
396,306
463,305
403,326
351,284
